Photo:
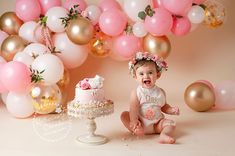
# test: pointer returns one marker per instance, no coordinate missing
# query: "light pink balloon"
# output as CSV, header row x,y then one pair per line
x,y
127,45
113,22
28,10
181,26
15,76
2,87
26,31
224,95
178,7
157,3
72,55
19,104
160,23
109,4
3,36
47,4
198,1
70,3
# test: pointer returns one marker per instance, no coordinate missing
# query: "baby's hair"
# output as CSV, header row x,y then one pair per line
x,y
142,63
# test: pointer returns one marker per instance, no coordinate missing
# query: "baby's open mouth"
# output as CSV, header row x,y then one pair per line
x,y
147,82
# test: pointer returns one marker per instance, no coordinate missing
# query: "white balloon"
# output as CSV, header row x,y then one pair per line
x,y
93,13
51,65
133,7
24,58
19,104
53,18
139,29
26,31
36,49
196,14
72,55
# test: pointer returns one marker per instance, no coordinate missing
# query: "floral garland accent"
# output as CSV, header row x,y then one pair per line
x,y
161,64
91,83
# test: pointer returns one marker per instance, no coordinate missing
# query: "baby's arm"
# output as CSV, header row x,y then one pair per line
x,y
134,111
170,110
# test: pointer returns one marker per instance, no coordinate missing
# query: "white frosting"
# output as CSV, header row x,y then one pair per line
x,y
89,96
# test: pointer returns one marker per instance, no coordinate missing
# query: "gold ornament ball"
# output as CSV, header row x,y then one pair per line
x,y
199,97
11,45
80,31
159,45
10,23
46,98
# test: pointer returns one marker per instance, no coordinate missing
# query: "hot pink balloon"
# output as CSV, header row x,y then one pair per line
x,y
224,95
2,87
126,45
181,26
109,4
70,3
15,76
47,4
198,1
160,23
3,36
113,22
178,7
28,10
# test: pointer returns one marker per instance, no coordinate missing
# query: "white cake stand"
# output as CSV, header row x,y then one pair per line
x,y
91,137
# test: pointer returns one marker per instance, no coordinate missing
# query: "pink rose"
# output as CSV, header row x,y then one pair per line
x,y
84,84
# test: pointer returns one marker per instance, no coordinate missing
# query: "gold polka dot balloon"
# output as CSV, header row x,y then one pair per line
x,y
46,98
214,13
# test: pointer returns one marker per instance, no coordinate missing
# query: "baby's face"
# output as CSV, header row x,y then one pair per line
x,y
146,75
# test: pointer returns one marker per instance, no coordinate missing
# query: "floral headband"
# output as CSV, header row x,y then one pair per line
x,y
161,64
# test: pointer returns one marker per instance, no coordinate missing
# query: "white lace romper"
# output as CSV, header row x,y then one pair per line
x,y
151,101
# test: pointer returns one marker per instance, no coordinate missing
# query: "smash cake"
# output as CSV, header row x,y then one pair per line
x,y
90,101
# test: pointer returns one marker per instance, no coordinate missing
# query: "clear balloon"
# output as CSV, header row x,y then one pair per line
x,y
196,14
54,16
199,97
47,4
51,67
72,55
45,98
28,10
19,104
10,23
224,93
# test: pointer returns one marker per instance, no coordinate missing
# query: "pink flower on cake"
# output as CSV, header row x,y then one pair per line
x,y
84,84
149,114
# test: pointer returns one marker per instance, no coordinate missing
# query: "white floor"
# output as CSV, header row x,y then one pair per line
x,y
206,134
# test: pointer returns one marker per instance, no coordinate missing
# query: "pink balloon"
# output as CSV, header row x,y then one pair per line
x,y
113,22
178,7
27,10
47,4
198,1
72,55
70,3
3,36
2,87
224,95
109,4
160,23
126,45
181,26
157,3
15,76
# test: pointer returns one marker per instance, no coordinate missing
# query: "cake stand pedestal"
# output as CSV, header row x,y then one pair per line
x,y
91,137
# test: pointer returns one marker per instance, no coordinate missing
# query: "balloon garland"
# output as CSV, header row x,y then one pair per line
x,y
49,38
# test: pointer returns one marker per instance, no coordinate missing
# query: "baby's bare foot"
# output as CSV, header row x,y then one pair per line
x,y
165,139
139,131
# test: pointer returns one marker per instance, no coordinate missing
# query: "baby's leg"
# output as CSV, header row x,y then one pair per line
x,y
125,117
165,127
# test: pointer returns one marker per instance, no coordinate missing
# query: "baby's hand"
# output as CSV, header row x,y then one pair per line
x,y
175,111
137,128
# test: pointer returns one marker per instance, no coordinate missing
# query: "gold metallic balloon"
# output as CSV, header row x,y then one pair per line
x,y
159,45
214,13
11,45
199,96
63,85
46,98
80,31
99,44
10,23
